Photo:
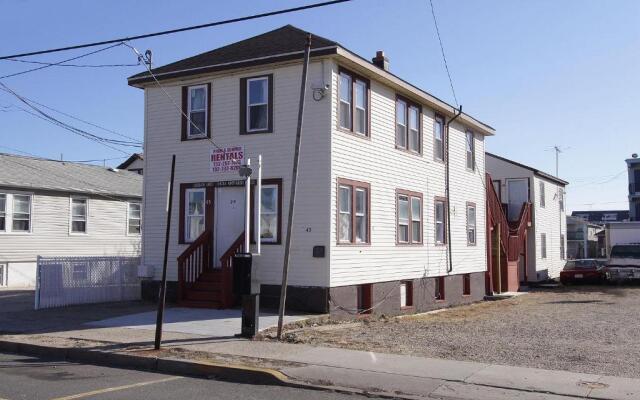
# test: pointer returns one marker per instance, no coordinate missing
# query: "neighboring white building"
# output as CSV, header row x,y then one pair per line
x,y
547,239
135,163
370,226
56,208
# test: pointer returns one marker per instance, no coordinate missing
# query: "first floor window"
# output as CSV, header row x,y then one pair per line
x,y
134,219
562,252
409,206
269,214
440,222
21,213
78,215
79,272
353,212
197,110
3,212
194,213
471,224
543,245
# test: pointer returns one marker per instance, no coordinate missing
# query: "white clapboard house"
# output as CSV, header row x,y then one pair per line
x,y
370,228
517,184
62,209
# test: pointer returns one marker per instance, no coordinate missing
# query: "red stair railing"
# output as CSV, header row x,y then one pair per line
x,y
195,260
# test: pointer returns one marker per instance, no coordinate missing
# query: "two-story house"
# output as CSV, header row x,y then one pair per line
x,y
370,230
517,184
64,209
633,167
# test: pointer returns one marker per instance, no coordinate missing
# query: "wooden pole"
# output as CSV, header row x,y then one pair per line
x,y
163,283
294,181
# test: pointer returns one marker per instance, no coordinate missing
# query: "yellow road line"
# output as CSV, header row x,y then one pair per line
x,y
115,389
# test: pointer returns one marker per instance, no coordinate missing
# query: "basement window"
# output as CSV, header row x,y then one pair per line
x,y
406,294
365,298
466,284
439,288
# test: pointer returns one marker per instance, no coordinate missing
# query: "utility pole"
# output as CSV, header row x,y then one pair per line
x,y
294,181
558,151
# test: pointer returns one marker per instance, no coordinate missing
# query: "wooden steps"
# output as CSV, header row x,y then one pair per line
x,y
205,292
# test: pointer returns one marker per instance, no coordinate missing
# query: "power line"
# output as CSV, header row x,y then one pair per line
x,y
70,65
446,66
60,62
178,30
69,161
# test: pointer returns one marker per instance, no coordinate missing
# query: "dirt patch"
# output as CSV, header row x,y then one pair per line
x,y
580,329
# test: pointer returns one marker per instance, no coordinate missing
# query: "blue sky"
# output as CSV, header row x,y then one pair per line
x,y
543,73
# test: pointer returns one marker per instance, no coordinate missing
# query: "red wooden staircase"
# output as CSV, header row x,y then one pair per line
x,y
201,284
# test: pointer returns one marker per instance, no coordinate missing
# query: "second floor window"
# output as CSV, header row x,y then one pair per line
x,y
353,106
542,194
471,147
197,111
256,110
561,198
78,215
353,212
440,221
407,126
438,138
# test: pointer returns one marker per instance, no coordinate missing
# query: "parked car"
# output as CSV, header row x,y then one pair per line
x,y
623,263
582,271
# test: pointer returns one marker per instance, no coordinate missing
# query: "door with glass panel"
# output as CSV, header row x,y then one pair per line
x,y
228,219
517,195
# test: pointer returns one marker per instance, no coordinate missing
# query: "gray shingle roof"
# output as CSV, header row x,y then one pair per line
x,y
37,173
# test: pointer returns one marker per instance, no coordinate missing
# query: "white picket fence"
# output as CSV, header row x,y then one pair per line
x,y
63,281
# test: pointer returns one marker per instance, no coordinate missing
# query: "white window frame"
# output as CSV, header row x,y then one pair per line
x,y
86,217
187,238
404,222
85,271
472,225
3,212
439,143
350,102
206,111
470,153
350,239
128,233
405,116
249,104
442,242
9,199
417,150
362,214
354,99
276,213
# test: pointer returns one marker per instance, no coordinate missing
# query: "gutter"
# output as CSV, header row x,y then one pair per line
x,y
447,191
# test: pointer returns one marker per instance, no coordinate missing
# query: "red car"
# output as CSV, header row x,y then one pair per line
x,y
582,271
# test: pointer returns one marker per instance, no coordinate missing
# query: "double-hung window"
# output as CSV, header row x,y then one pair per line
x,y
195,122
353,99
438,137
471,147
194,213
543,245
542,194
79,215
440,221
269,211
471,224
407,125
409,209
3,212
257,104
134,218
353,212
21,215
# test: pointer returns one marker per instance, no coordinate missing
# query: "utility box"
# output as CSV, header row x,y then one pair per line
x,y
242,274
250,315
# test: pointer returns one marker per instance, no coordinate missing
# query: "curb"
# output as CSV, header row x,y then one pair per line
x,y
201,369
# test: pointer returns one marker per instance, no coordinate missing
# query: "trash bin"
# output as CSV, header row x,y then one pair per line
x,y
250,315
242,274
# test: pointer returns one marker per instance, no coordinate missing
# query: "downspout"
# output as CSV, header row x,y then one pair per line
x,y
446,188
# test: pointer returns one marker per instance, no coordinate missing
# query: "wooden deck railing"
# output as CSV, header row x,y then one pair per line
x,y
518,233
196,259
226,261
496,214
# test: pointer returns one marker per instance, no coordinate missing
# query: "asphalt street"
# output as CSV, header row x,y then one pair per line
x,y
32,378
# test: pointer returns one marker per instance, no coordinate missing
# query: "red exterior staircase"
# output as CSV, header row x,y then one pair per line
x,y
200,284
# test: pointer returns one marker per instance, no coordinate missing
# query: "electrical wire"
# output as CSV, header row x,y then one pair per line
x,y
68,161
444,57
178,30
71,65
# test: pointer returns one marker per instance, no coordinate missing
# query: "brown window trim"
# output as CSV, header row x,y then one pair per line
x,y
278,183
441,296
444,222
354,185
445,135
466,210
408,294
473,150
409,103
410,194
243,105
185,112
208,209
354,77
466,284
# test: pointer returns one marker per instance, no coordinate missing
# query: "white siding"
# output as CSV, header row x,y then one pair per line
x,y
162,139
49,236
379,163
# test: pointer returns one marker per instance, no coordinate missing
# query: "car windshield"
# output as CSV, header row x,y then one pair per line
x,y
581,264
627,251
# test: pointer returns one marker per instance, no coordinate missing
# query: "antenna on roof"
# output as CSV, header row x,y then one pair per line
x,y
61,158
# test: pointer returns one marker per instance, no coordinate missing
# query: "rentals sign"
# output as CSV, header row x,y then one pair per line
x,y
227,159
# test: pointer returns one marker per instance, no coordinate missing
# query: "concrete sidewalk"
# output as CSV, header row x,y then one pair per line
x,y
72,331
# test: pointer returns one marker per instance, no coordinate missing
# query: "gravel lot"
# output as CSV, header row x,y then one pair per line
x,y
581,329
